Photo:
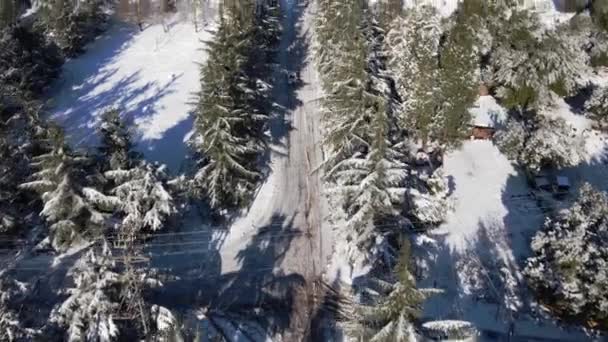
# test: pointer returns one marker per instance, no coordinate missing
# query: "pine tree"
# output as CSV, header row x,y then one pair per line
x,y
87,313
8,13
412,45
116,148
12,297
529,64
372,183
27,61
599,10
387,11
59,181
569,268
458,80
351,102
20,128
389,314
597,106
143,198
545,142
230,119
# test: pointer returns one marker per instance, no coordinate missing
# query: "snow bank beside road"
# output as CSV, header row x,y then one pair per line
x,y
149,75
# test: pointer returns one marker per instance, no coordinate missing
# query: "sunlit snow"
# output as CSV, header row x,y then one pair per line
x,y
150,76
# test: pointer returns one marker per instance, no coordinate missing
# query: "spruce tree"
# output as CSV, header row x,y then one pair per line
x,y
389,313
87,313
458,81
371,183
144,201
8,13
116,148
350,104
137,190
230,108
412,45
530,64
61,181
596,106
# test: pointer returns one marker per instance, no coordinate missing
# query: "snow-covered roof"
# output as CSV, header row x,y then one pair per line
x,y
487,113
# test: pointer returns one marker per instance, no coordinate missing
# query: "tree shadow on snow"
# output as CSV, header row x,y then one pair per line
x,y
290,60
255,293
259,289
88,86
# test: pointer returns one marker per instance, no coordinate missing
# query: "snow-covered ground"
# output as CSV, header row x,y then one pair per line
x,y
478,254
150,76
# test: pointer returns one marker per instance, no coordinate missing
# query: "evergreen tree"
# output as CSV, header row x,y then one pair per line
x,y
8,13
20,128
12,299
72,24
413,48
458,80
351,101
388,315
530,64
597,105
599,10
138,190
27,61
87,313
229,126
569,267
116,148
59,181
546,142
142,197
372,183
387,11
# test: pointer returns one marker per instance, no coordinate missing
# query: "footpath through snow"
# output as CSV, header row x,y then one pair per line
x,y
149,75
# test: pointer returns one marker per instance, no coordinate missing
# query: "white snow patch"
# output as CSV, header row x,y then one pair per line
x,y
149,75
480,174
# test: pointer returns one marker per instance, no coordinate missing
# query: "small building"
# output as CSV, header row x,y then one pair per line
x,y
486,117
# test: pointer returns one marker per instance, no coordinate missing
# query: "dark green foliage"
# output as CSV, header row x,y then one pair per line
x,y
8,13
600,60
599,11
232,103
522,97
388,315
19,130
72,27
116,148
60,178
458,83
27,61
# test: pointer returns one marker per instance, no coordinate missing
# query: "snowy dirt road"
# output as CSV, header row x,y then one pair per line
x,y
280,239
